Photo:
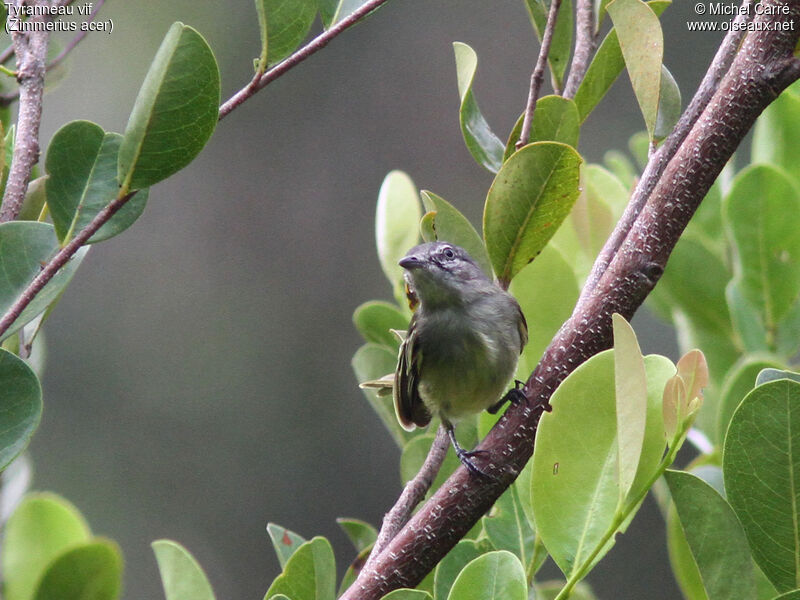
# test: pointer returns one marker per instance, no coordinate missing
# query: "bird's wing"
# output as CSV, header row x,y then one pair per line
x,y
408,404
522,326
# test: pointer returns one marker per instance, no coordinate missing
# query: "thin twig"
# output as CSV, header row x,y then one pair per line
x,y
60,259
585,43
412,495
31,50
259,81
764,67
538,74
77,39
659,160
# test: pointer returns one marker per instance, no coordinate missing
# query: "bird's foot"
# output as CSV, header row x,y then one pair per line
x,y
515,395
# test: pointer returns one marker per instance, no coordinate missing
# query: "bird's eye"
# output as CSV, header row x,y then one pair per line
x,y
448,253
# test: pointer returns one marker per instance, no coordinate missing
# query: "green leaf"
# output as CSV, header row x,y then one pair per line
x,y
555,120
561,43
181,575
375,319
546,291
451,565
287,24
360,533
793,595
451,226
642,45
549,590
396,226
605,67
373,361
738,382
284,541
767,265
507,527
763,480
21,399
485,147
310,574
333,11
492,576
26,246
630,384
684,567
715,537
768,375
575,485
34,200
82,167
407,594
91,571
776,133
669,105
414,454
42,527
527,202
175,112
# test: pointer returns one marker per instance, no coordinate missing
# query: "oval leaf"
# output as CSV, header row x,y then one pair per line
x,y
669,105
82,166
530,197
760,472
715,537
181,575
451,226
485,147
24,247
451,565
287,24
175,112
21,399
642,45
556,120
42,528
776,133
284,541
406,594
767,266
360,533
92,571
396,225
561,43
310,574
630,384
493,576
374,320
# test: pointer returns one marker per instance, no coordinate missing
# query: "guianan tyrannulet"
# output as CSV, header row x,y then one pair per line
x,y
462,345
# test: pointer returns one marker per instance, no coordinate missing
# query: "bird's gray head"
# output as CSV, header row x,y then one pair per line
x,y
442,273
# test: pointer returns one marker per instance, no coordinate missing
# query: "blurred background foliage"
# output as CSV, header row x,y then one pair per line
x,y
198,381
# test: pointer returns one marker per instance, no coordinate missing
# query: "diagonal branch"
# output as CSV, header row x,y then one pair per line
x,y
585,43
761,70
658,162
60,259
260,80
538,73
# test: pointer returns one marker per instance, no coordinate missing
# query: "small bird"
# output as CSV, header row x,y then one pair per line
x,y
462,345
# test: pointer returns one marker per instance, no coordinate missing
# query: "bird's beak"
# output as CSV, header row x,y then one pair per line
x,y
410,262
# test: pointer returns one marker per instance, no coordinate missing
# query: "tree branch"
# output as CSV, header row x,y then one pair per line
x,y
538,73
658,162
31,49
259,81
412,495
60,259
761,70
585,43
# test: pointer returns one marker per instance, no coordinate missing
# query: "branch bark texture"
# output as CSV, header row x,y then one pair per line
x,y
764,66
31,50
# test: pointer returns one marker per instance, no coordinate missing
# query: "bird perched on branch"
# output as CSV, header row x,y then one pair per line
x,y
462,345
